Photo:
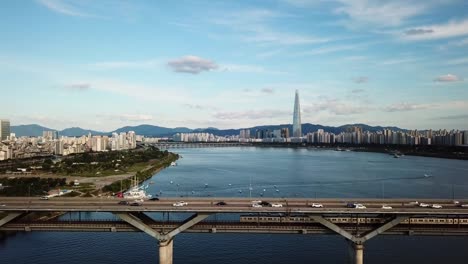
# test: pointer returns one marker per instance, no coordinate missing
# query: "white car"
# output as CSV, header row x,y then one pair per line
x,y
256,205
317,205
276,205
425,205
386,207
359,206
464,205
414,203
436,206
181,203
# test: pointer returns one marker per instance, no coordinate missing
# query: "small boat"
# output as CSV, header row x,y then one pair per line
x,y
274,186
427,175
240,191
396,156
172,182
229,184
206,185
173,164
277,190
264,190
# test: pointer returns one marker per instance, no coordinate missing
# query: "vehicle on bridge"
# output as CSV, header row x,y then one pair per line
x,y
276,205
355,205
436,206
425,205
256,205
386,207
179,204
221,203
317,205
124,203
359,206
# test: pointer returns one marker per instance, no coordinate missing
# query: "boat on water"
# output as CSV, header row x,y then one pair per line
x,y
396,156
173,163
136,192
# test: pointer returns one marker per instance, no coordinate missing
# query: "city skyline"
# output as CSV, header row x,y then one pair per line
x,y
103,65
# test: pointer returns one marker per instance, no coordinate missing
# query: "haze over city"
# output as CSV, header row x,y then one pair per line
x,y
106,64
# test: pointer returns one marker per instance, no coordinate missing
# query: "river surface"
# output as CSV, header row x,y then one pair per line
x,y
271,172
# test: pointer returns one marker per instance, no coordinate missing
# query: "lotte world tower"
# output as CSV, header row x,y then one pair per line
x,y
297,130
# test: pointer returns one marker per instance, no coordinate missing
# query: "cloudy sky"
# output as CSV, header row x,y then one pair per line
x,y
231,64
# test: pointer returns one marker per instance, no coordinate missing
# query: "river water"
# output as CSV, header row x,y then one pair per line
x,y
271,172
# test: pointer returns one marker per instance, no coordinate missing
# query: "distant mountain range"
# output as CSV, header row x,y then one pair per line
x,y
150,130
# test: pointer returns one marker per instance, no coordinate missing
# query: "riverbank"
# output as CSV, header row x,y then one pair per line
x,y
444,152
141,176
94,177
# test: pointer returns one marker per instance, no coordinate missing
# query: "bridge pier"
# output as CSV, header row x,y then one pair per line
x,y
357,253
166,252
165,239
357,240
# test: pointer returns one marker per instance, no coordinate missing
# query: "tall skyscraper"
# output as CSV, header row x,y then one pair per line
x,y
4,129
297,130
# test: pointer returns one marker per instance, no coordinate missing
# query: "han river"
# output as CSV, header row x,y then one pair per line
x,y
272,172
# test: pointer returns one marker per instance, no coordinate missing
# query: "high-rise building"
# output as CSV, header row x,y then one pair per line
x,y
4,129
297,130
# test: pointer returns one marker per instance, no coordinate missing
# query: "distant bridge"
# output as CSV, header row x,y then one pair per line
x,y
172,145
295,216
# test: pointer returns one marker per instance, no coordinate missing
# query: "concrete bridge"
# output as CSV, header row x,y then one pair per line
x,y
295,216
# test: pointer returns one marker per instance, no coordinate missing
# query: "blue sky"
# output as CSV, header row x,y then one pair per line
x,y
231,64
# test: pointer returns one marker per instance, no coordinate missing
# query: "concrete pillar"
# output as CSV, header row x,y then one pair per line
x,y
165,252
358,254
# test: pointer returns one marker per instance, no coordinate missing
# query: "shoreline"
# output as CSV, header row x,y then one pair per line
x,y
429,151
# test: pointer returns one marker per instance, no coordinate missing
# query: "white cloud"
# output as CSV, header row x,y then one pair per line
x,y
397,61
438,31
384,13
404,107
357,91
259,114
244,68
135,118
252,25
336,106
448,78
63,7
458,61
192,64
329,49
78,86
361,79
268,90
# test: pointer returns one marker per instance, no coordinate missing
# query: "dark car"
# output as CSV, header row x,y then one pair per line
x,y
124,203
135,204
264,203
220,203
350,205
154,199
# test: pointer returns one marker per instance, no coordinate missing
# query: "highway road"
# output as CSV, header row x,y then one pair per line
x,y
233,205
